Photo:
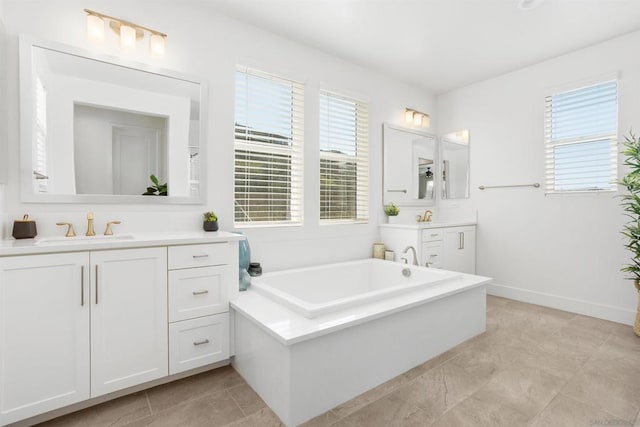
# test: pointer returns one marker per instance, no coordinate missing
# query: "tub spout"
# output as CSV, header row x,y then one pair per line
x,y
415,255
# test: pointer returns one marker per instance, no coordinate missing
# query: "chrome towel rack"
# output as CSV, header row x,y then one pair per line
x,y
485,187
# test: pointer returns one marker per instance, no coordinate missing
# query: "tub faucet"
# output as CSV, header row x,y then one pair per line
x,y
415,255
426,217
90,231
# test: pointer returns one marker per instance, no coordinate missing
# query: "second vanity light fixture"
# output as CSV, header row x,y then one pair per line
x,y
129,32
416,117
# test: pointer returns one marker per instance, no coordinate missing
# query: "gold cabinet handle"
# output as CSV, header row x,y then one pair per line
x,y
96,284
200,292
82,285
196,343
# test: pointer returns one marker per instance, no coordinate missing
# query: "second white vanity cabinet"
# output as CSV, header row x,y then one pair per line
x,y
79,325
450,247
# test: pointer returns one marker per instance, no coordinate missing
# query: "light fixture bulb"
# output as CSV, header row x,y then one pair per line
x,y
417,119
426,121
95,28
127,37
408,115
156,45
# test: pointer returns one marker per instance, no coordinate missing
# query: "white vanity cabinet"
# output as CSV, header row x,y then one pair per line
x,y
44,333
199,277
79,325
438,246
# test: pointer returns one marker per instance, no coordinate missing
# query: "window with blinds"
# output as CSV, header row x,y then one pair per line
x,y
581,133
269,127
41,182
344,159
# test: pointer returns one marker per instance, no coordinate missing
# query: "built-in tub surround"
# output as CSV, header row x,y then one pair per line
x,y
303,366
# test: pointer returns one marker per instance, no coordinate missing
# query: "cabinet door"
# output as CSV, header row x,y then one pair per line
x,y
44,333
129,343
460,249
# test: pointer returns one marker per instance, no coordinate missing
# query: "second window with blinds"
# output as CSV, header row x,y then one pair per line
x,y
344,159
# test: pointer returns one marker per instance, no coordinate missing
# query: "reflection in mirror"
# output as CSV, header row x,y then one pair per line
x,y
95,130
455,165
409,166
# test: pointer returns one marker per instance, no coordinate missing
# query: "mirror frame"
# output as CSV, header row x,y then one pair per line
x,y
436,160
26,45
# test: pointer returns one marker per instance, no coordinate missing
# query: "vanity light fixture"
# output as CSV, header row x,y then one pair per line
x,y
416,118
129,32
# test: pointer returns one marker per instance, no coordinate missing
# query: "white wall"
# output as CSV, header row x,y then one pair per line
x,y
560,250
203,44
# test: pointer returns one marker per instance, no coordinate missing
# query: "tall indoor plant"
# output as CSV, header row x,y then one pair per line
x,y
631,205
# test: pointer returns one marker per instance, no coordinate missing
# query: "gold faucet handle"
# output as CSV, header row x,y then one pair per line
x,y
107,231
70,231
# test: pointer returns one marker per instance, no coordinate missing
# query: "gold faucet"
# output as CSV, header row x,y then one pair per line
x,y
70,231
108,231
426,217
90,231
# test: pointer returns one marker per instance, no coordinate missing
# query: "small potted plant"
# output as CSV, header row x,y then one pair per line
x,y
392,212
210,221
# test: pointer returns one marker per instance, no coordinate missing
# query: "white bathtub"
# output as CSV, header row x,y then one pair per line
x,y
320,290
307,340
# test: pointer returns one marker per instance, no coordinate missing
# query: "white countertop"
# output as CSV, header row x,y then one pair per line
x,y
289,327
431,224
99,242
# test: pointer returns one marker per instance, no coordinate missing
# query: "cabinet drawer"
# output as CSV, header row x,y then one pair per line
x,y
197,292
432,254
198,255
430,235
198,342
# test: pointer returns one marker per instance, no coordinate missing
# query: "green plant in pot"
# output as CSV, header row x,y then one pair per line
x,y
391,211
631,206
210,221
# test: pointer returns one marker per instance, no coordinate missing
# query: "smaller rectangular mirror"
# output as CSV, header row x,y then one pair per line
x,y
455,165
410,165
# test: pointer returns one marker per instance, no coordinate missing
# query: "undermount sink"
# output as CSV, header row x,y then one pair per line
x,y
83,239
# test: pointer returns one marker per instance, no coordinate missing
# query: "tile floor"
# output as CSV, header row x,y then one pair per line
x,y
534,366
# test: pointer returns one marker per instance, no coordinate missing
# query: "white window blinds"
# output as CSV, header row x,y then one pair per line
x,y
40,174
581,133
344,159
269,127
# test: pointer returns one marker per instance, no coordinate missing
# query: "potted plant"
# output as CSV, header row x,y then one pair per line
x,y
392,212
631,205
210,221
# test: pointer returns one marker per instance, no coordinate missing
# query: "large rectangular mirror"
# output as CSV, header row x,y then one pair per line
x,y
94,129
410,166
455,165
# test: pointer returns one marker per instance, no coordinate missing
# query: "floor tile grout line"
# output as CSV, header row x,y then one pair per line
x,y
146,395
236,402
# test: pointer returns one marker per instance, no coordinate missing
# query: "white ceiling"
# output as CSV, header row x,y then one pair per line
x,y
440,44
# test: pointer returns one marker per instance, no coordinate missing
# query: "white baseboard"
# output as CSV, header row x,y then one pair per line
x,y
588,308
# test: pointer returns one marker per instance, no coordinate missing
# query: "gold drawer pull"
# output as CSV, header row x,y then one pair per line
x,y
201,342
200,292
